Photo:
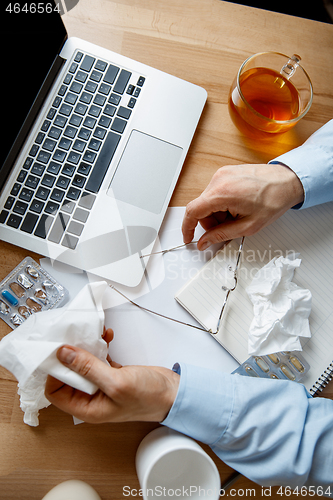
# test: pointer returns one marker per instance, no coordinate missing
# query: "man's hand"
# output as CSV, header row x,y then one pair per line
x,y
125,393
240,200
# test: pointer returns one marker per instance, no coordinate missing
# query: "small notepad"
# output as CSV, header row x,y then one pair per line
x,y
203,297
308,232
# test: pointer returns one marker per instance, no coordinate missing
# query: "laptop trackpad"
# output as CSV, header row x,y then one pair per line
x,y
145,172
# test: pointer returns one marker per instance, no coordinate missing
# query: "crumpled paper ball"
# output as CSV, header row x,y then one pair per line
x,y
29,352
281,308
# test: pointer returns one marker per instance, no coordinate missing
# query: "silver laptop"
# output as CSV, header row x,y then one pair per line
x,y
93,149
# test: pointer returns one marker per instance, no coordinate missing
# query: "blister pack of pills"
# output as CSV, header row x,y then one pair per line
x,y
29,289
284,365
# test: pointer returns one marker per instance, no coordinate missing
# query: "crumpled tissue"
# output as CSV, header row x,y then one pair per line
x,y
29,352
281,308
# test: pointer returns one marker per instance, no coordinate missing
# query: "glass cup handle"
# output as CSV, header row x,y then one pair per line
x,y
289,69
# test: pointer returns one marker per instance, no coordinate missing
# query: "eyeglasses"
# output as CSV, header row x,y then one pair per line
x,y
228,290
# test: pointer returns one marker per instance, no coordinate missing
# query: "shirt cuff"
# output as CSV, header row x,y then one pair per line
x,y
313,164
193,407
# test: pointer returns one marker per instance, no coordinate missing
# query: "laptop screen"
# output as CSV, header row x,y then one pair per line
x,y
31,40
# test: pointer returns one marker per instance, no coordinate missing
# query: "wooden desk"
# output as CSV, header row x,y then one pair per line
x,y
203,41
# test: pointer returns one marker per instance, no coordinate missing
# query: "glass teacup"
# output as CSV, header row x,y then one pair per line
x,y
270,94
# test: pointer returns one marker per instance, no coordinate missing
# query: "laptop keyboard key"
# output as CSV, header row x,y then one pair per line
x,y
114,99
68,206
57,195
3,216
65,144
49,144
100,168
21,176
32,181
76,87
84,168
68,169
85,98
74,157
89,156
55,133
75,120
78,57
54,167
122,81
60,121
26,194
42,193
29,222
81,215
59,155
14,220
20,207
37,206
87,200
70,241
73,193
70,132
75,228
9,203
15,189
79,145
43,226
81,76
100,65
124,112
48,180
118,125
91,86
38,169
84,134
43,157
87,63
111,74
79,181
63,182
52,207
58,228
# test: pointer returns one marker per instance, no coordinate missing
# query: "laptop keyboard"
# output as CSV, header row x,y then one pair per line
x,y
64,170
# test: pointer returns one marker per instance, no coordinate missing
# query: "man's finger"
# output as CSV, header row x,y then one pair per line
x,y
86,364
195,211
224,232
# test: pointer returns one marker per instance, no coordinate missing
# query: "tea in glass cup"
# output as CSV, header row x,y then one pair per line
x,y
270,94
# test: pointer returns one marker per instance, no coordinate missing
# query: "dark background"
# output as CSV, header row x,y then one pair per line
x,y
317,10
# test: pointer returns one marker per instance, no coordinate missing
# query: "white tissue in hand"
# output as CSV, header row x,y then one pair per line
x,y
29,352
281,308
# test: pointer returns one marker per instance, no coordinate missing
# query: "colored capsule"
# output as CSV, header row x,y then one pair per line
x,y
288,373
17,289
274,358
250,371
297,364
262,364
9,297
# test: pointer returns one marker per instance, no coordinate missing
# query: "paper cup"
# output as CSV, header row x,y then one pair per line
x,y
170,464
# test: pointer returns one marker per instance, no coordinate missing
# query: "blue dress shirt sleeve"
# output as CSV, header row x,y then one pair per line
x,y
272,431
313,164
